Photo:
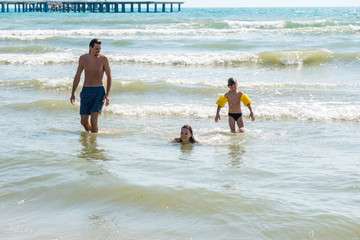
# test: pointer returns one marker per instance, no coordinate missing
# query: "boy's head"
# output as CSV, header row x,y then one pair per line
x,y
231,82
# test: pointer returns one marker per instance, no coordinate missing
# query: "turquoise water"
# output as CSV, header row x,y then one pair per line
x,y
293,175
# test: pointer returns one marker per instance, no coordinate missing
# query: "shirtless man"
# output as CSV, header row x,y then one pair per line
x,y
92,96
234,97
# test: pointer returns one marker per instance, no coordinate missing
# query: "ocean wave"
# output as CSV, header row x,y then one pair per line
x,y
123,22
26,49
297,57
239,24
233,59
182,86
313,24
193,29
310,111
58,84
219,84
287,111
283,24
31,35
187,59
163,110
301,111
47,58
320,26
43,105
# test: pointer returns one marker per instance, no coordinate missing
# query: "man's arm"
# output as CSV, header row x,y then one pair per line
x,y
76,81
108,82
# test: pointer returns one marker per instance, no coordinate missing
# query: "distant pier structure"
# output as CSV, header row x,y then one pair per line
x,y
90,6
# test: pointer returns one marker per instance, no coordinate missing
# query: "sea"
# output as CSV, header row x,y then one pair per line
x,y
294,173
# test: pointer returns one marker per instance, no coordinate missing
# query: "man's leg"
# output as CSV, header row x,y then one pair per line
x,y
85,122
94,122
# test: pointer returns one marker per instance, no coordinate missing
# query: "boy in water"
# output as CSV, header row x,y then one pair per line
x,y
234,97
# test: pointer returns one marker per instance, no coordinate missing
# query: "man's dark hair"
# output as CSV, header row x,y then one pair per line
x,y
94,41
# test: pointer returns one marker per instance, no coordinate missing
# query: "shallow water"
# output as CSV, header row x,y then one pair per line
x,y
293,175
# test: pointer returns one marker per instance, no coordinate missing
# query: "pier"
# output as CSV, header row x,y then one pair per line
x,y
90,6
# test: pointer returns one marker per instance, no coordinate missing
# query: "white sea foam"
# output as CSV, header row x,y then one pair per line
x,y
112,33
184,82
310,111
235,24
212,86
156,59
188,30
234,58
304,111
38,59
259,85
230,58
314,23
355,28
165,110
186,58
55,83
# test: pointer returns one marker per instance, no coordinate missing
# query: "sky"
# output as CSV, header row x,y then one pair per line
x,y
271,3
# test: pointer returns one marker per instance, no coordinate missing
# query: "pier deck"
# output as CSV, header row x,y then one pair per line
x,y
90,6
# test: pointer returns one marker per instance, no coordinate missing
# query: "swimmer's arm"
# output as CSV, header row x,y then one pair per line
x,y
251,112
217,117
76,81
109,81
221,103
176,140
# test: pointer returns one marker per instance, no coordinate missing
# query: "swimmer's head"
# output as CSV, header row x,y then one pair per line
x,y
231,81
95,46
186,134
232,84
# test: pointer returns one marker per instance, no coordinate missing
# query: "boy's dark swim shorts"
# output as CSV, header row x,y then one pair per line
x,y
91,100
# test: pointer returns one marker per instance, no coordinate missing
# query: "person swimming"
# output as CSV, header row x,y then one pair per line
x,y
186,135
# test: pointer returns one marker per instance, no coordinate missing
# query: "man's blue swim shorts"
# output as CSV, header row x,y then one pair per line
x,y
91,100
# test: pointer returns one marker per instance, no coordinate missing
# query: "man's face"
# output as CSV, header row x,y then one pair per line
x,y
95,50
